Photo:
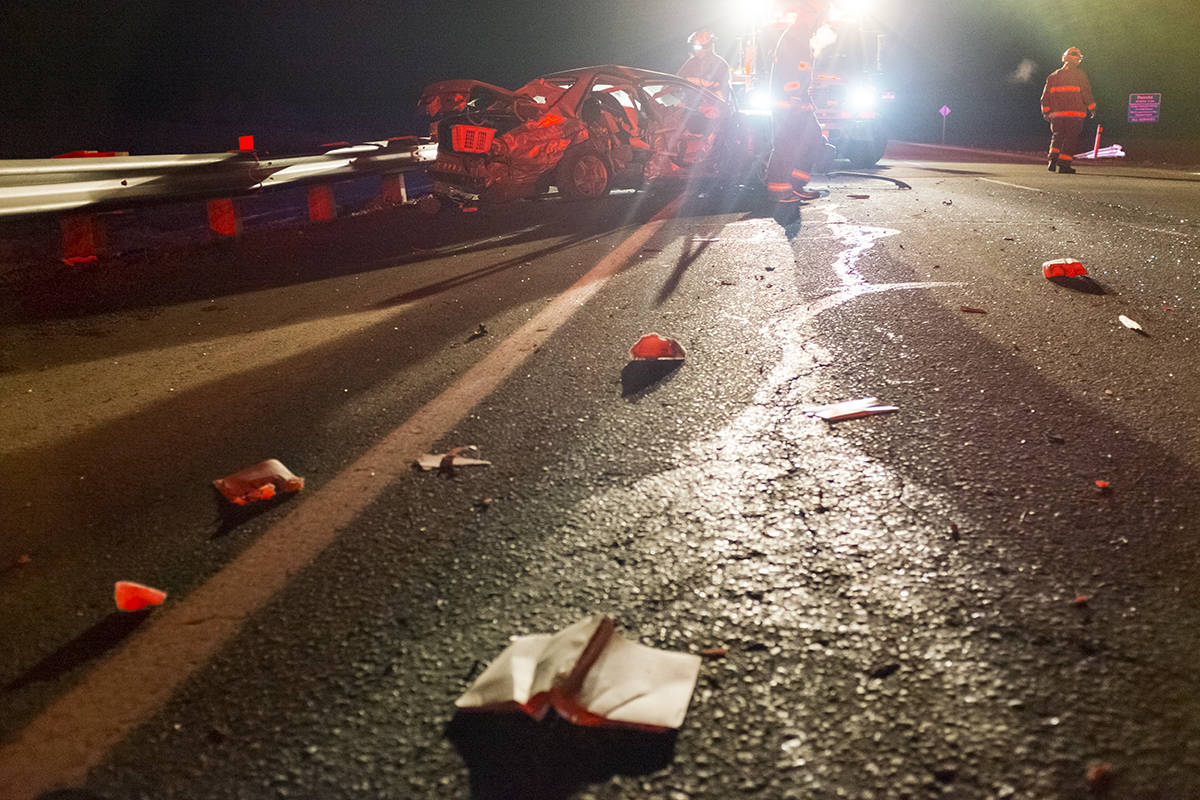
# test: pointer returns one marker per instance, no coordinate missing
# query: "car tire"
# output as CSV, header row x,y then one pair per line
x,y
582,174
864,155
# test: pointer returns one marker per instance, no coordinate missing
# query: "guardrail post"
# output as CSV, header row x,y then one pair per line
x,y
395,189
82,238
321,207
224,218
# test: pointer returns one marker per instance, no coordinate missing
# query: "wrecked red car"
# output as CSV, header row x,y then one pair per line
x,y
585,131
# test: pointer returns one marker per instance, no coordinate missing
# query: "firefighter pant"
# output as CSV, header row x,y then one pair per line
x,y
797,145
1064,137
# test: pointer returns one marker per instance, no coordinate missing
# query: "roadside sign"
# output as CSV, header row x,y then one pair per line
x,y
944,111
1144,107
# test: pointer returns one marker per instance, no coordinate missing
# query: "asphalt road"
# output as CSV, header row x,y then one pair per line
x,y
936,602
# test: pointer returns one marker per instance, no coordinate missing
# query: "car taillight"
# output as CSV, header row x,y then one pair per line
x,y
471,138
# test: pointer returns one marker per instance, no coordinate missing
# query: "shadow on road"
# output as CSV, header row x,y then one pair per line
x,y
514,757
639,378
87,646
1082,284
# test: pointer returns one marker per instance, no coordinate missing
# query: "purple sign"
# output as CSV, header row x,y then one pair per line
x,y
944,111
1144,107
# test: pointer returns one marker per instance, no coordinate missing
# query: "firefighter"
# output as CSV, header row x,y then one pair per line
x,y
704,67
1066,100
797,139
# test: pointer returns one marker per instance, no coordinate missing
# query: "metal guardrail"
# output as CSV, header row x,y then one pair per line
x,y
58,185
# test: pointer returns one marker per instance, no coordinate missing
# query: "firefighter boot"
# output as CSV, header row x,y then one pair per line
x,y
1065,168
1053,162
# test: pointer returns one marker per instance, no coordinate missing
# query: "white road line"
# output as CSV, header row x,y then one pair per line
x,y
72,735
1014,185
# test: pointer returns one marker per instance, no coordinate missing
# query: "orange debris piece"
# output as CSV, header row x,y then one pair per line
x,y
260,482
132,596
1063,268
653,347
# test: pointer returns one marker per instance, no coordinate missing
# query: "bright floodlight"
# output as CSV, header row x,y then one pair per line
x,y
862,98
752,13
851,9
759,100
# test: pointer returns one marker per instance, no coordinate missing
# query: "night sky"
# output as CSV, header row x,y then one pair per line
x,y
155,76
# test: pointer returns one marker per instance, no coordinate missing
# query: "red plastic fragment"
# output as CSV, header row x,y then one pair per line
x,y
1063,268
1081,601
260,482
132,596
653,347
973,310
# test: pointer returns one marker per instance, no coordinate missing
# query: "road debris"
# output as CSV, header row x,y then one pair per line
x,y
446,462
859,196
1080,601
1103,487
850,409
590,675
24,559
131,596
1063,268
715,652
973,310
1099,776
260,482
478,333
1131,324
653,347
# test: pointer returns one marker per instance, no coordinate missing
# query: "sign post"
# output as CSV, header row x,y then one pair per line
x,y
945,112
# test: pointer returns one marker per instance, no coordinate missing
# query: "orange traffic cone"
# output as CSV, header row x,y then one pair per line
x,y
132,596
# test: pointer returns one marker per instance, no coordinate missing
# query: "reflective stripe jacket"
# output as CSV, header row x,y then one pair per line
x,y
791,73
1068,93
708,70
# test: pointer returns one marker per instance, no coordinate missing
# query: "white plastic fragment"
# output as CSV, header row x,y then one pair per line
x,y
432,461
590,675
850,409
1128,323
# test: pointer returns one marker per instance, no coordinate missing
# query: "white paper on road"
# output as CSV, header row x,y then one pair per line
x,y
591,675
1128,323
430,461
849,409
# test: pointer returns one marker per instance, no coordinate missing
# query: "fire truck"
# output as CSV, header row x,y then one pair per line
x,y
850,95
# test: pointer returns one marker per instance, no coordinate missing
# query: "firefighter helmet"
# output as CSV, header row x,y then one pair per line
x,y
701,39
1072,56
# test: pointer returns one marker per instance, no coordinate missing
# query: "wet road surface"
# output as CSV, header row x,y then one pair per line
x,y
936,602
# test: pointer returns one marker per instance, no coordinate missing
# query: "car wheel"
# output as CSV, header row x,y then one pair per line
x,y
863,155
582,175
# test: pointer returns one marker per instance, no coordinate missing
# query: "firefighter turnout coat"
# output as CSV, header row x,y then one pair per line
x,y
1066,101
797,134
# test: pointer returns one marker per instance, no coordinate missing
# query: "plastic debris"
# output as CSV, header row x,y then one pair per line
x,y
261,482
850,409
450,459
24,559
1128,323
1099,776
858,196
973,310
132,596
590,675
1081,601
653,347
1063,268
